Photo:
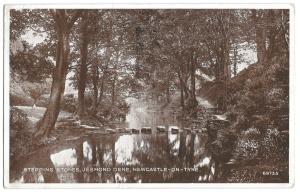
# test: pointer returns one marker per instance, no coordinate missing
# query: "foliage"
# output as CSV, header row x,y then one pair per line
x,y
31,63
36,90
20,133
68,103
16,100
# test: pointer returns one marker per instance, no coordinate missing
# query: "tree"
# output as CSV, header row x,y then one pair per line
x,y
31,63
84,41
258,18
64,20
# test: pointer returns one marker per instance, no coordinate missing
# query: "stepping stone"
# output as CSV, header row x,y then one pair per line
x,y
121,130
161,128
110,130
174,129
146,130
127,130
89,127
95,132
136,131
72,138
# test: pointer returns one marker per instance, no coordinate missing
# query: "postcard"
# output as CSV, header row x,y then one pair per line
x,y
159,95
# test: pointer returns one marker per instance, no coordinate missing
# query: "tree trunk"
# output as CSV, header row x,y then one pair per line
x,y
80,162
95,89
46,124
193,78
260,36
227,70
182,98
193,99
83,68
57,89
113,94
168,93
101,90
235,55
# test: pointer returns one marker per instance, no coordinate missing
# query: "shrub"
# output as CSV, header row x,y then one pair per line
x,y
20,133
15,100
68,103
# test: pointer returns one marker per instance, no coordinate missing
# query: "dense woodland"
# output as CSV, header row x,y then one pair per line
x,y
159,55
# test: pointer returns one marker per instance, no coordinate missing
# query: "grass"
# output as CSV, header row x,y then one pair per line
x,y
34,114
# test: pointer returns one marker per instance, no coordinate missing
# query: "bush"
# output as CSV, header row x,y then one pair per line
x,y
274,146
15,100
68,103
20,133
43,101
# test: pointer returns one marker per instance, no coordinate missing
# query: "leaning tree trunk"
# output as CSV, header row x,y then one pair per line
x,y
57,89
63,26
83,68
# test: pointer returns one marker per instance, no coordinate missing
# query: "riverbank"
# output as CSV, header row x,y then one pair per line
x,y
257,107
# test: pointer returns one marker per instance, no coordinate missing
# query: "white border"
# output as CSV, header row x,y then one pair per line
x,y
152,6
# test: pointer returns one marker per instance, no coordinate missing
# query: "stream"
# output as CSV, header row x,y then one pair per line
x,y
156,157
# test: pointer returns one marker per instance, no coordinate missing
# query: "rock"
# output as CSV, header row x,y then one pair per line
x,y
161,128
89,127
72,138
174,129
127,130
135,131
94,132
146,130
110,130
121,130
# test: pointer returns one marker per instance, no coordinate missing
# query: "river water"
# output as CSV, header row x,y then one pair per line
x,y
124,158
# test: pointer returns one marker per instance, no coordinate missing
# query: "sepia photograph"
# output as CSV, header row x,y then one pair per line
x,y
148,95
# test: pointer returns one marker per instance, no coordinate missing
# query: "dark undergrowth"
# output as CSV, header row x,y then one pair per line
x,y
257,106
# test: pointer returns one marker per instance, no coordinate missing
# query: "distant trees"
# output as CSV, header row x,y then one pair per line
x,y
36,91
271,32
31,63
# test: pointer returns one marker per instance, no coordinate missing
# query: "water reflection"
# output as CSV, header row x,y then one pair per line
x,y
71,162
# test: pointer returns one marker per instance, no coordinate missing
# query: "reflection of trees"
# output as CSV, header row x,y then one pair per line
x,y
94,175
40,159
191,147
149,150
100,152
182,147
49,177
79,153
113,156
